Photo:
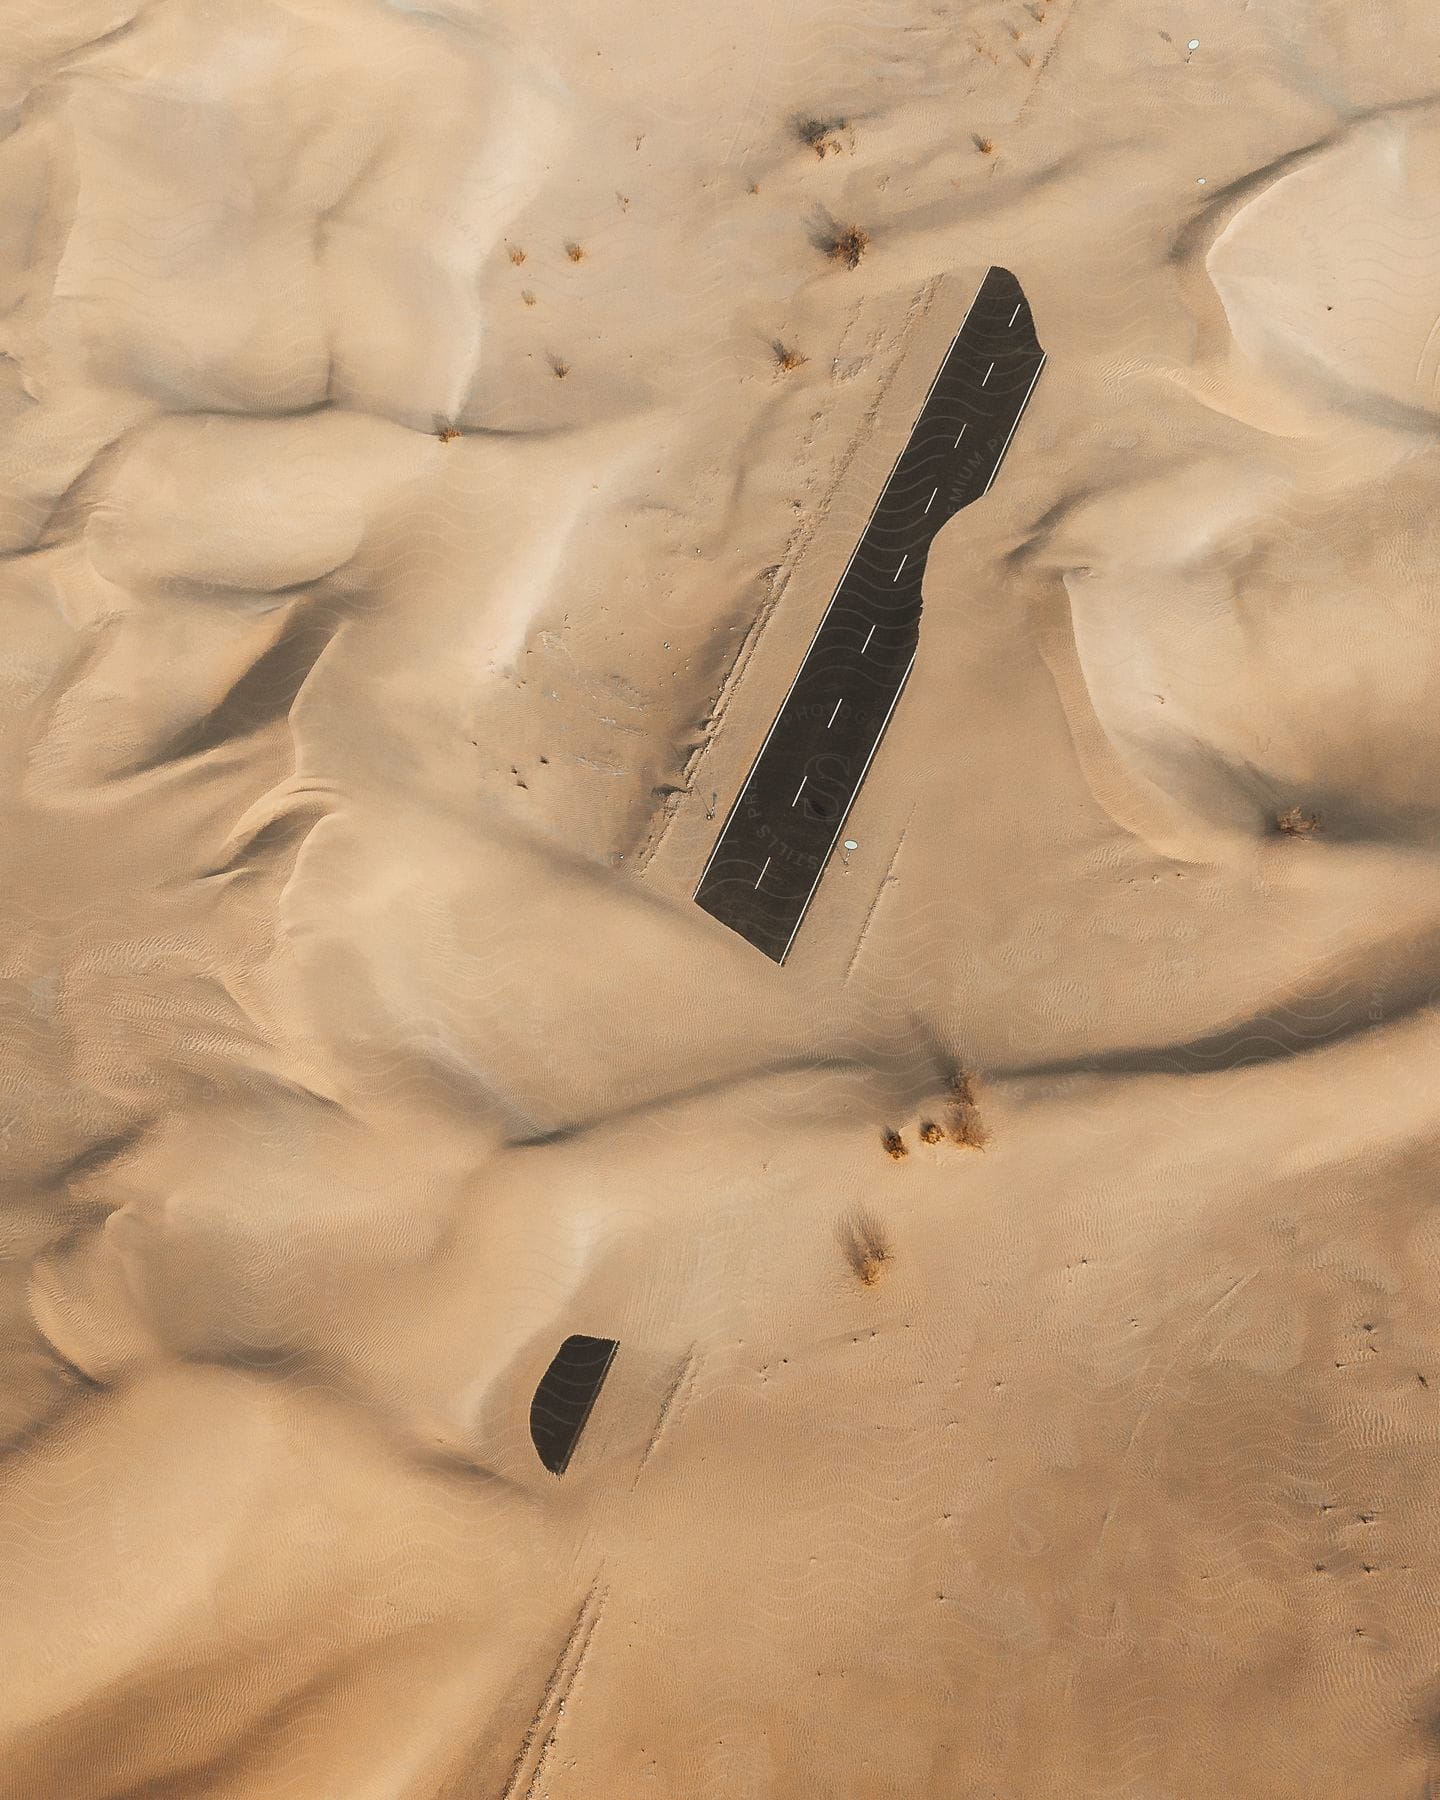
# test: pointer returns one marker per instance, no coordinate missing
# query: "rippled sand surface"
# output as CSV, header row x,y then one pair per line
x,y
431,435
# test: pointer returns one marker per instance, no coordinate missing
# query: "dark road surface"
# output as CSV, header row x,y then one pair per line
x,y
770,854
567,1391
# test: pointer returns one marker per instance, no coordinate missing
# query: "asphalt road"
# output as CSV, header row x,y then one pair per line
x,y
567,1391
771,851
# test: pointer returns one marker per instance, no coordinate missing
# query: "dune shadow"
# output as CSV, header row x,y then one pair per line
x,y
263,694
1318,1017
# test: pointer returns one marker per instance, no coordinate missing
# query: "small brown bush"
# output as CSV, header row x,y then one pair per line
x,y
969,1130
962,1113
788,358
1295,823
893,1144
849,246
575,252
447,434
870,1269
562,369
822,135
866,1248
517,255
930,1132
985,145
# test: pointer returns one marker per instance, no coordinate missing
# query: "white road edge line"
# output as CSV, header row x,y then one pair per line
x,y
1015,427
846,810
761,876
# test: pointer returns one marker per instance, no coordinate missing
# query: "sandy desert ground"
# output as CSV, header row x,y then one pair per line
x,y
409,531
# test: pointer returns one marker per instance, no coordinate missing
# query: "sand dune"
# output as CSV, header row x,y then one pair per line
x,y
432,435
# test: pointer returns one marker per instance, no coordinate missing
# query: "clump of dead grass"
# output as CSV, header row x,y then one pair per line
x,y
447,434
517,255
576,252
1296,823
962,1113
985,145
560,366
848,246
822,135
867,1250
930,1133
893,1144
787,357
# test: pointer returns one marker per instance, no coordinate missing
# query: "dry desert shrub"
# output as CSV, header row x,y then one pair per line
x,y
1295,823
866,1248
561,368
527,296
985,145
893,1144
962,1113
849,246
787,358
517,255
822,135
930,1132
575,252
969,1130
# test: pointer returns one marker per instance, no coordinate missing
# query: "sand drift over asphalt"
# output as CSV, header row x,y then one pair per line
x,y
772,849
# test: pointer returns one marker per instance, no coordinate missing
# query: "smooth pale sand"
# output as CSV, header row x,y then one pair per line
x,y
362,1041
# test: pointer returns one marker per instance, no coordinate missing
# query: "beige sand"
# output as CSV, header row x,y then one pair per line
x,y
362,1040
